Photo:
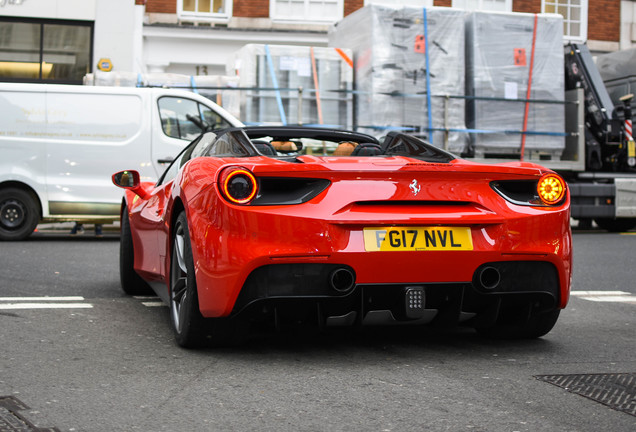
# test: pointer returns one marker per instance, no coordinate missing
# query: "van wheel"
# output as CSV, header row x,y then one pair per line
x,y
19,214
131,282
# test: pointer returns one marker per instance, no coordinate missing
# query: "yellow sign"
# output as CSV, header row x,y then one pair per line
x,y
417,239
105,65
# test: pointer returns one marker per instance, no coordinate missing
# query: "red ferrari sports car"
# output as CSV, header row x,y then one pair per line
x,y
257,224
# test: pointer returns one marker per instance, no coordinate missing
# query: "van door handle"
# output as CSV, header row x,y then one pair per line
x,y
165,161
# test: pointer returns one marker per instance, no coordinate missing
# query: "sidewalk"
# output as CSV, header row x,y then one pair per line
x,y
65,227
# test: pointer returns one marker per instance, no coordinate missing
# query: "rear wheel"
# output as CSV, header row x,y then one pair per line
x,y
19,214
131,282
535,326
187,321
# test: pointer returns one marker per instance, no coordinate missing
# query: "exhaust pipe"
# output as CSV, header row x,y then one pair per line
x,y
342,279
489,278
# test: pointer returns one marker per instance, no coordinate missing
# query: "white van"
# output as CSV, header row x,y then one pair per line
x,y
60,144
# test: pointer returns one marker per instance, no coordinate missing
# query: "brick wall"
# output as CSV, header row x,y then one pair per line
x,y
351,6
528,6
161,6
446,3
604,20
251,8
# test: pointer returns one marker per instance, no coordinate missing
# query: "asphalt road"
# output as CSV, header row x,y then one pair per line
x,y
102,361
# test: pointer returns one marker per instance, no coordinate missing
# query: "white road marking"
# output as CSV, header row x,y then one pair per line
x,y
67,302
606,296
39,299
154,304
154,301
9,306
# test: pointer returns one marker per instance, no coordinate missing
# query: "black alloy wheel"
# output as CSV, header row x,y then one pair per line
x,y
131,282
187,321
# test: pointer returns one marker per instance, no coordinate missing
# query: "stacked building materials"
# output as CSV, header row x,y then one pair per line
x,y
294,85
218,88
405,63
499,49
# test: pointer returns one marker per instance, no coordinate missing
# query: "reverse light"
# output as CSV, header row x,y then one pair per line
x,y
238,185
551,189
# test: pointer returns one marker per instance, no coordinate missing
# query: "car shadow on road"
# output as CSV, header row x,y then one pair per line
x,y
400,341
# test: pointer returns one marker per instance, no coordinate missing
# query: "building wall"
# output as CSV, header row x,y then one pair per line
x,y
162,6
526,6
251,8
351,6
628,24
604,20
115,29
54,9
116,24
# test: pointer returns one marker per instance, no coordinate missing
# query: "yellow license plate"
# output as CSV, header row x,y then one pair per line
x,y
417,239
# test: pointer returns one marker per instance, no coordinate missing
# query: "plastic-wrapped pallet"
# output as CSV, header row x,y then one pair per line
x,y
498,55
274,99
390,69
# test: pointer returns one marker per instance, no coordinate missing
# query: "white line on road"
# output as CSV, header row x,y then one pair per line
x,y
606,296
154,304
154,301
66,302
39,299
9,306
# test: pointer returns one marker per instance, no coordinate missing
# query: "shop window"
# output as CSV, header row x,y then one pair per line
x,y
485,5
574,14
204,9
45,51
307,10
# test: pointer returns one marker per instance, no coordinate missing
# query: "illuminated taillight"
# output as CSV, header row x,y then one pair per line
x,y
551,189
238,185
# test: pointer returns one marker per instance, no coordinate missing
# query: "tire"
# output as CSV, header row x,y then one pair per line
x,y
19,214
187,322
616,225
131,282
536,326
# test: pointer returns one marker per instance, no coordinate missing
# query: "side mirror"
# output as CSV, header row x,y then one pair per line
x,y
126,179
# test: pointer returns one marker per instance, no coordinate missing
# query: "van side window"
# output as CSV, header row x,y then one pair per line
x,y
177,114
212,118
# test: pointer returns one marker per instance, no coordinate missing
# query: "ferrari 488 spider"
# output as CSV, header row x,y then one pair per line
x,y
259,224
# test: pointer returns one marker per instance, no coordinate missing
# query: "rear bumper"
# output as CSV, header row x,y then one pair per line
x,y
308,293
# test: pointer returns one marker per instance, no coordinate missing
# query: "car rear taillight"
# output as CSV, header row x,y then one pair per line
x,y
551,189
238,185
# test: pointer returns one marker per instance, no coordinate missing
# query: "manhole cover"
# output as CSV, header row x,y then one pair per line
x,y
617,391
12,421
